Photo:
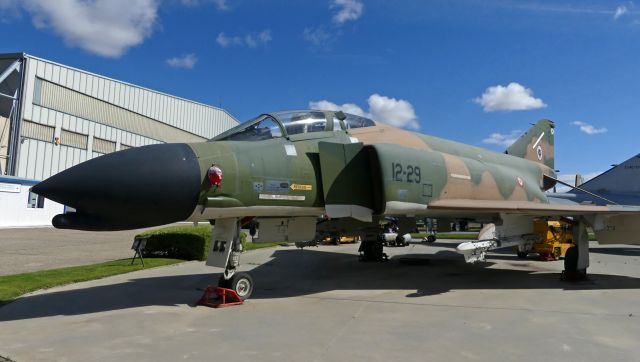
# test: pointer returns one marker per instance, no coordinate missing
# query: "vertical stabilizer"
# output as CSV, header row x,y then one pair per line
x,y
621,179
536,144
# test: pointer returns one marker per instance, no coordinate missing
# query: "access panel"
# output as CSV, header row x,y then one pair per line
x,y
349,180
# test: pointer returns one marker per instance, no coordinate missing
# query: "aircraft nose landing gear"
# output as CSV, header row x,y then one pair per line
x,y
225,252
239,282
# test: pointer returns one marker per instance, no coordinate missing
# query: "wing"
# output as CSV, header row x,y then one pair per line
x,y
530,208
613,224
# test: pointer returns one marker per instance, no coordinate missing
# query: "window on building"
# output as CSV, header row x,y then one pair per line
x,y
35,201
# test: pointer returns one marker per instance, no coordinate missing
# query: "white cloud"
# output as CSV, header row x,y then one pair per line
x,y
9,9
265,36
8,4
330,106
219,4
225,41
503,139
248,40
103,27
347,10
620,10
396,112
319,38
589,129
513,97
187,61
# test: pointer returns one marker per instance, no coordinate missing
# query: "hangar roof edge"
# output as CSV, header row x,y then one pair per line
x,y
25,55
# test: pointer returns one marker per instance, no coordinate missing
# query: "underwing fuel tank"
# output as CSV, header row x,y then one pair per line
x,y
139,187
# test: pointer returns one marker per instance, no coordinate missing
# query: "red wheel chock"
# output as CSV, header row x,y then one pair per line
x,y
226,297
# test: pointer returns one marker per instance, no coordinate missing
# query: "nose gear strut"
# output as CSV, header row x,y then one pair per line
x,y
224,252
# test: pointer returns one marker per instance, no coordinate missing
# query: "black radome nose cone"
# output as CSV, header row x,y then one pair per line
x,y
138,187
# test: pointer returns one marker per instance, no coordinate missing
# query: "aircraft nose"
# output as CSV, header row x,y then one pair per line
x,y
139,187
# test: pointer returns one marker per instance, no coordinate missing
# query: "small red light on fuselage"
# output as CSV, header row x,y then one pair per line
x,y
214,174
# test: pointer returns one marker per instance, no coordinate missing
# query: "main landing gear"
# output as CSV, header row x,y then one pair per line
x,y
576,259
371,249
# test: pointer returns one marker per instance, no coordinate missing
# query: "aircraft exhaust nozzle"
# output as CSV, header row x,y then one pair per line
x,y
139,187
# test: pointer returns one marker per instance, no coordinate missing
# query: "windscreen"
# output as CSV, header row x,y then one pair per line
x,y
254,130
297,122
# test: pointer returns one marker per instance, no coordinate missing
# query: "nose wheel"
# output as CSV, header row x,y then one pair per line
x,y
224,252
240,282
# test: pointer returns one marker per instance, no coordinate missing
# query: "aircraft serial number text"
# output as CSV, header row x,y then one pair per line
x,y
409,174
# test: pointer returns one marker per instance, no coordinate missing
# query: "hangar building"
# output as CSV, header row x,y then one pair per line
x,y
54,116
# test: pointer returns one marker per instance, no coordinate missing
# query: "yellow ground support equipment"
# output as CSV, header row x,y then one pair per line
x,y
555,238
335,240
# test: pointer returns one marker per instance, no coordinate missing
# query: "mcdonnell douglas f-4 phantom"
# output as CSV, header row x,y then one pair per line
x,y
288,169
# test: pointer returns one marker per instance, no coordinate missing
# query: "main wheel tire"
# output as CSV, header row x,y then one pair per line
x,y
371,250
242,283
222,282
523,254
431,238
571,259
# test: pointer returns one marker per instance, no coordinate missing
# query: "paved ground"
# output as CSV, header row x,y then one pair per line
x,y
321,304
30,249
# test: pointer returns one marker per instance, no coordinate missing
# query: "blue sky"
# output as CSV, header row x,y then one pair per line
x,y
472,71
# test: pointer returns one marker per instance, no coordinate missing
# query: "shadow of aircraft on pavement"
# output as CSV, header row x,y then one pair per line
x,y
292,273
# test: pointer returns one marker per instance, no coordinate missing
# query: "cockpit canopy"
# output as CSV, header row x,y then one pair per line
x,y
288,123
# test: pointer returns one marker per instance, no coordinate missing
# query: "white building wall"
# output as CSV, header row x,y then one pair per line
x,y
14,197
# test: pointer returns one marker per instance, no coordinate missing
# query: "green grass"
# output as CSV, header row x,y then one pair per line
x,y
13,286
195,238
253,246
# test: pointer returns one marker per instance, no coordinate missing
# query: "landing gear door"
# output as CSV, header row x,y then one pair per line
x,y
293,229
348,180
223,236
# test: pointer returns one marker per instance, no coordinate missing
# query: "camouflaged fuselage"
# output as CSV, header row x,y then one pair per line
x,y
386,169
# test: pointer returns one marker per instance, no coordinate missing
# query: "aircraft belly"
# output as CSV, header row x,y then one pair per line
x,y
227,212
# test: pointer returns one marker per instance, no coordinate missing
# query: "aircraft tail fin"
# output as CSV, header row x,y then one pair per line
x,y
621,179
536,144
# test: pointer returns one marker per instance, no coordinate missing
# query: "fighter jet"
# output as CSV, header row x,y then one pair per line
x,y
618,185
286,170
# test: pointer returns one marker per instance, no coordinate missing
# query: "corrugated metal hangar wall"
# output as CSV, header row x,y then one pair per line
x,y
58,116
